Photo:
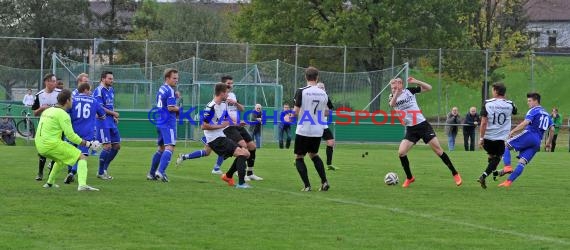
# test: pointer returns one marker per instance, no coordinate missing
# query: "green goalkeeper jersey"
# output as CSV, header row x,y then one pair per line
x,y
53,123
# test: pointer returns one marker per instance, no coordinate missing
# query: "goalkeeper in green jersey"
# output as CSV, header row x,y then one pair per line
x,y
54,122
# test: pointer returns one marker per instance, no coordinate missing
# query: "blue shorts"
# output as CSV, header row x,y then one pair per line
x,y
84,150
166,136
108,135
526,143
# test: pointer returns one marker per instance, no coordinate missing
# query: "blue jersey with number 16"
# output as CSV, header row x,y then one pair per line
x,y
84,110
539,119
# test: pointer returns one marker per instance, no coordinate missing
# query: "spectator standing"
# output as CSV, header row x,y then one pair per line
x,y
8,131
256,126
557,119
451,130
472,119
29,98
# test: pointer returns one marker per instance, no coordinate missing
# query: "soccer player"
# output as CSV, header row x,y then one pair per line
x,y
81,78
496,116
417,127
83,113
165,126
213,126
327,134
54,122
44,99
527,142
108,133
310,107
237,131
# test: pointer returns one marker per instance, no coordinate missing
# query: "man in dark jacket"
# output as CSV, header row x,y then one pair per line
x,y
453,120
472,119
8,131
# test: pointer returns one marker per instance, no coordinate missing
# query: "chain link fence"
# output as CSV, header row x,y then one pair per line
x,y
457,76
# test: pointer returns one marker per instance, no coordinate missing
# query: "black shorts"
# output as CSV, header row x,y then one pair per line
x,y
244,134
223,146
419,131
305,144
496,148
327,134
237,134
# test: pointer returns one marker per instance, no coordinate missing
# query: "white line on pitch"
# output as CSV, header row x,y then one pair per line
x,y
411,213
430,217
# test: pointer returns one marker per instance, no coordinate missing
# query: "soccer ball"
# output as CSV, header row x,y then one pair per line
x,y
391,179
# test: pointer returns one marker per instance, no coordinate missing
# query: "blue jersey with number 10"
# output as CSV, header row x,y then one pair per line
x,y
539,119
84,111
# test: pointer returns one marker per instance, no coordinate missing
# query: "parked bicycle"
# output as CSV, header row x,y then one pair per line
x,y
25,127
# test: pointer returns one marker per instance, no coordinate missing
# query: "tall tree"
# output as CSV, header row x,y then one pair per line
x,y
375,25
145,22
494,25
39,18
113,19
182,21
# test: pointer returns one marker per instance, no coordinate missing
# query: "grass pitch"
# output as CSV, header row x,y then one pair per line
x,y
197,210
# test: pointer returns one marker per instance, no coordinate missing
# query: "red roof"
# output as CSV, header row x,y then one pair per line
x,y
548,10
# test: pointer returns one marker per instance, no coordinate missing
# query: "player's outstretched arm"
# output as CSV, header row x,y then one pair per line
x,y
519,127
425,86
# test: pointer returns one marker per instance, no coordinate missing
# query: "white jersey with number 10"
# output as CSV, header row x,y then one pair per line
x,y
498,112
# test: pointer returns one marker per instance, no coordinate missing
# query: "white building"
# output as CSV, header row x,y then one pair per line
x,y
549,23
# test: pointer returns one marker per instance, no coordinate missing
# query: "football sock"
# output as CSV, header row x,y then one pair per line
x,y
41,165
102,160
329,155
232,169
155,161
507,157
219,162
240,165
114,153
50,165
280,143
492,166
288,143
69,168
196,154
320,167
74,169
110,157
164,161
302,169
518,171
82,172
448,163
55,170
251,159
251,162
406,166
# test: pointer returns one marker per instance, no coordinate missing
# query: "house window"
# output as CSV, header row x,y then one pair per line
x,y
534,37
552,41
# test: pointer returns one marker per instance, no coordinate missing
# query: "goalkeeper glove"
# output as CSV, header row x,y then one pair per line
x,y
94,145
